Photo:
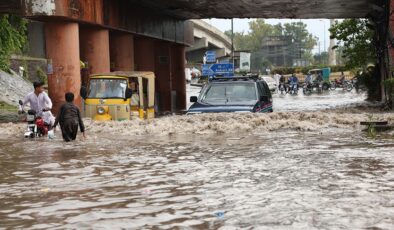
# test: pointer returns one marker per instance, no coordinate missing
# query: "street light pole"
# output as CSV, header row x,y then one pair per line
x,y
324,34
232,42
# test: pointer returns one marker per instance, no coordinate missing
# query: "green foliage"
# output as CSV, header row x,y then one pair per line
x,y
13,37
302,42
357,39
42,75
320,59
371,130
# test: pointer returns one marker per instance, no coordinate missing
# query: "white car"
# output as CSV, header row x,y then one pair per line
x,y
270,82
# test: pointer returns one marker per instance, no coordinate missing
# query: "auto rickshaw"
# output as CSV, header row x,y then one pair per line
x,y
325,73
119,96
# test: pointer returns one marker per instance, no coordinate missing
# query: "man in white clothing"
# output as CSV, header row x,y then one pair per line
x,y
39,102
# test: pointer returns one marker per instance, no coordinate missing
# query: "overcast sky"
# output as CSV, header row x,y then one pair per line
x,y
317,27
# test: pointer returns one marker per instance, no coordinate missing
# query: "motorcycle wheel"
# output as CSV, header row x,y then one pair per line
x,y
349,87
333,86
325,86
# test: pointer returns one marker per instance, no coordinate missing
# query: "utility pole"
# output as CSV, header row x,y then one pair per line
x,y
332,59
232,42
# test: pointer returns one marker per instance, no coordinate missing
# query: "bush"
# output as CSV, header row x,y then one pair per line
x,y
42,75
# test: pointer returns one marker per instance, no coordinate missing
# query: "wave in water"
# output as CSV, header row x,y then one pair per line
x,y
223,123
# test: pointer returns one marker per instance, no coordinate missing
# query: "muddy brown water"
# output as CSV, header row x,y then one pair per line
x,y
331,178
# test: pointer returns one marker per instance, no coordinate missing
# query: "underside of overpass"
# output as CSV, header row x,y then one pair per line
x,y
197,9
138,35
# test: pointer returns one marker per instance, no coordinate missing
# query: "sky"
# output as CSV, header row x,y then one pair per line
x,y
317,27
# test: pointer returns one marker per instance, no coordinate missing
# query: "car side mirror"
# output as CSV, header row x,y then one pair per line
x,y
84,92
129,93
193,99
264,98
20,102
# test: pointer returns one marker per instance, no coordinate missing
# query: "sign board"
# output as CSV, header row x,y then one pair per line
x,y
225,70
244,61
210,56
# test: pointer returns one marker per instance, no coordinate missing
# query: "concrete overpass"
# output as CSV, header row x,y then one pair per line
x,y
152,34
207,37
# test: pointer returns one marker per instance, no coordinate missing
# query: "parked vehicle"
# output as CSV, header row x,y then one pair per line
x,y
119,96
233,94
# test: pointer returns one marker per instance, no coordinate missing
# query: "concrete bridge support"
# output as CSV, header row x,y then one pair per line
x,y
94,47
178,57
168,62
122,52
62,49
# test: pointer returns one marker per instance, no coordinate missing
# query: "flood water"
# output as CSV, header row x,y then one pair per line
x,y
328,176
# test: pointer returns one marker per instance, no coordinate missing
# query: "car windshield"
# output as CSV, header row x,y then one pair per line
x,y
107,88
224,93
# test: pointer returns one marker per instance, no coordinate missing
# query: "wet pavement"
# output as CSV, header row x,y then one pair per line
x,y
331,178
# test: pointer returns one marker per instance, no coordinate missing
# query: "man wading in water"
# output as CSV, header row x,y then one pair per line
x,y
69,119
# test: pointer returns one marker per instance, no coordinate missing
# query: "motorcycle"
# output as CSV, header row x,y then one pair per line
x,y
282,88
36,126
346,85
293,89
307,89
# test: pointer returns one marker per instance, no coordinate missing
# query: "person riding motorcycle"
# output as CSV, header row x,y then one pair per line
x,y
40,102
319,78
309,79
341,80
293,82
282,82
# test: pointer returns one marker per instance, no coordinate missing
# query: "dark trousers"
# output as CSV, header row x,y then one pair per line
x,y
69,130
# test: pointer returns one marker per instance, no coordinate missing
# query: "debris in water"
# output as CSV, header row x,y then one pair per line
x,y
219,215
45,190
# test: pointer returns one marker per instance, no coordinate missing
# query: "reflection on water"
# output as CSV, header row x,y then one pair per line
x,y
263,174
284,180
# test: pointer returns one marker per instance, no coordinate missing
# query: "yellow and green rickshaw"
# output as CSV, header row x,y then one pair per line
x,y
120,96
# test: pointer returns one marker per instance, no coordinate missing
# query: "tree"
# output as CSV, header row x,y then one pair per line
x,y
13,37
357,38
301,41
321,59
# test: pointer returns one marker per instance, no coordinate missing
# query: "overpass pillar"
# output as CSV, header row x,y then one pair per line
x,y
163,75
153,55
94,46
178,75
122,52
62,48
144,54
